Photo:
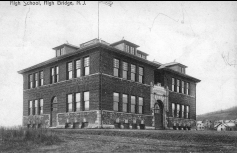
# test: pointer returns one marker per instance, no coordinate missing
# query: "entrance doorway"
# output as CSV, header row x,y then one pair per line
x,y
53,112
158,114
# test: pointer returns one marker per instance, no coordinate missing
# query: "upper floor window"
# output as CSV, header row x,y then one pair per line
x,y
178,84
140,74
54,74
30,108
182,85
133,104
86,66
116,101
69,70
140,109
187,88
182,70
132,50
78,102
133,72
127,48
69,103
173,109
41,106
36,79
41,81
125,103
60,51
173,84
30,81
178,109
139,55
125,70
187,111
78,68
116,67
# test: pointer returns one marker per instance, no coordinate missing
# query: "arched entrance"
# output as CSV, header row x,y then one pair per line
x,y
158,114
53,112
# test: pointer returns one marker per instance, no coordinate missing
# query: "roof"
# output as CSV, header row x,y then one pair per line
x,y
182,74
142,52
225,124
172,64
123,41
66,44
52,60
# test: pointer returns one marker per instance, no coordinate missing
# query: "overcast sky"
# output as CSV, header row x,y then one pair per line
x,y
201,35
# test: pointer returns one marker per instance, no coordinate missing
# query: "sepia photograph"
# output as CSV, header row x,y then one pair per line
x,y
118,76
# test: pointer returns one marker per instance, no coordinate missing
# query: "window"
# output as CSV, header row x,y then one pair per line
x,y
69,70
60,51
41,82
125,70
133,103
41,106
182,70
177,90
127,48
36,79
36,108
178,109
156,109
140,74
30,109
54,74
173,109
78,68
140,109
116,67
54,104
132,50
143,56
187,88
116,101
86,100
173,84
187,111
133,72
139,55
182,87
182,110
69,103
30,81
78,102
86,66
125,103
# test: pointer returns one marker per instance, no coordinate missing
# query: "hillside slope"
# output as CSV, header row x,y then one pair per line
x,y
228,114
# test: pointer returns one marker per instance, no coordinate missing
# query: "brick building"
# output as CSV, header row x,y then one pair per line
x,y
105,85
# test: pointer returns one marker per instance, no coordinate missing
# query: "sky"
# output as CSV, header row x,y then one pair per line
x,y
200,35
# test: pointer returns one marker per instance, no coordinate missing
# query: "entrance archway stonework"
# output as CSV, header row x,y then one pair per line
x,y
159,95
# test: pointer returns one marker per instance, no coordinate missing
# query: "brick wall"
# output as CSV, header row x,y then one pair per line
x,y
111,84
60,90
107,65
94,67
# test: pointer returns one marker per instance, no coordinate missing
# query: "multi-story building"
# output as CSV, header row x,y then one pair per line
x,y
101,85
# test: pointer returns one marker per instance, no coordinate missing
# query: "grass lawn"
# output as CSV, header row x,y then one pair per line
x,y
111,140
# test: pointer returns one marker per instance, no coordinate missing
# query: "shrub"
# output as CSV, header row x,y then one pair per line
x,y
22,134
